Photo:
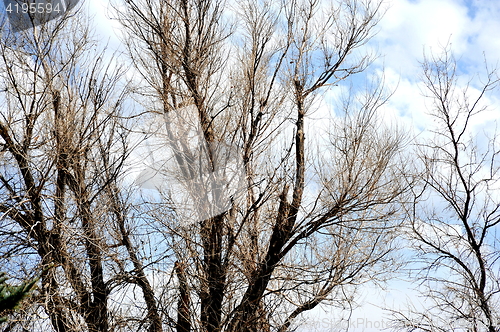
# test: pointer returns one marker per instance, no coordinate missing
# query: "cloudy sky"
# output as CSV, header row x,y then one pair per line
x,y
409,29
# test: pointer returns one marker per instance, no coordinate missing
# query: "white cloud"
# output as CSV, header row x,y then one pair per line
x,y
407,106
411,27
483,32
408,27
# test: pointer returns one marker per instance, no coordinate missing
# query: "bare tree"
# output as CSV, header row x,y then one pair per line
x,y
312,220
63,148
456,211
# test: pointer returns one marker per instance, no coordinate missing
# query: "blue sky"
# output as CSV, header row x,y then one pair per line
x,y
408,29
411,28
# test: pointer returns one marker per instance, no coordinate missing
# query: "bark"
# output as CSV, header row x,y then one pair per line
x,y
184,303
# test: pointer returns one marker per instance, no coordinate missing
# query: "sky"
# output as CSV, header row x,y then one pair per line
x,y
408,30
411,28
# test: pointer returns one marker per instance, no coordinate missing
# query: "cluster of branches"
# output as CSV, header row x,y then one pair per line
x,y
59,131
280,248
253,260
456,210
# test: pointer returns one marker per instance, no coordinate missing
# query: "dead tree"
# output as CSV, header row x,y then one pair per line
x,y
308,222
63,149
456,209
